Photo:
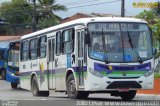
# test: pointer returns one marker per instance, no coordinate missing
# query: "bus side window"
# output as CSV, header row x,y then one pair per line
x,y
24,50
68,41
58,43
33,49
42,46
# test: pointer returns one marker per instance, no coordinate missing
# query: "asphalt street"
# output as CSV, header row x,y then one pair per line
x,y
20,97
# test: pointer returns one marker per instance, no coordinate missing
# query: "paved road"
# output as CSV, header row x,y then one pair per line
x,y
20,97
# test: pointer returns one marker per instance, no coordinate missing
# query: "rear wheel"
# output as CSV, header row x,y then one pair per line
x,y
3,74
14,85
71,89
35,89
127,96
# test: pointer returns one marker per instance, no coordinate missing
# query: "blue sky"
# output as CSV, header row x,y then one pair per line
x,y
108,8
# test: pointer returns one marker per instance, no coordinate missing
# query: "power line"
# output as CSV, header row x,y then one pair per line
x,y
77,2
72,11
26,10
93,4
82,2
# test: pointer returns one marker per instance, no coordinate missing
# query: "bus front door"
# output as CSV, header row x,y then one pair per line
x,y
80,63
51,63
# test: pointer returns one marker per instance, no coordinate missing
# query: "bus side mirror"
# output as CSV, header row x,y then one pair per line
x,y
150,31
154,51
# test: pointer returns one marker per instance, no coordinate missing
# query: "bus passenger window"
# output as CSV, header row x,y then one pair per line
x,y
68,41
33,49
58,43
42,47
24,50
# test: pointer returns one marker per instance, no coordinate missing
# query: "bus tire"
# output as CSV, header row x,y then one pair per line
x,y
127,96
34,87
3,74
71,89
14,85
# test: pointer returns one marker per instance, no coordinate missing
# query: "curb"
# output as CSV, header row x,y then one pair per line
x,y
148,95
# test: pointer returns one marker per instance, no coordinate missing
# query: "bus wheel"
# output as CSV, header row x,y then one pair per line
x,y
127,96
71,89
34,87
3,74
14,85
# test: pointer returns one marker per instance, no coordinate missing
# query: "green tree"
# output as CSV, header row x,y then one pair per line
x,y
16,12
154,22
148,16
157,10
47,9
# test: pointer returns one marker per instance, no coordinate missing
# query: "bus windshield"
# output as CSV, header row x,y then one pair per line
x,y
120,42
13,59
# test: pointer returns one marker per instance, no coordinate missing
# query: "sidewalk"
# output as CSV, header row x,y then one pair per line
x,y
148,97
154,91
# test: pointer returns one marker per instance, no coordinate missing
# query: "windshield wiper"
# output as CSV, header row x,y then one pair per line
x,y
104,47
133,47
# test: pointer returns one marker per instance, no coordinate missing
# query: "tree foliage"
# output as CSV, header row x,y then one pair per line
x,y
153,20
147,15
47,16
16,12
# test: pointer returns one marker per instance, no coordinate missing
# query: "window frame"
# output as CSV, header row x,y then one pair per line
x,y
58,43
69,41
23,50
43,46
35,40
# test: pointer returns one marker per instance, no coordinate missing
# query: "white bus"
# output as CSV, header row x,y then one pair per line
x,y
89,55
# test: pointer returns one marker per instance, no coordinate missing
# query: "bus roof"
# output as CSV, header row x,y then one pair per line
x,y
84,21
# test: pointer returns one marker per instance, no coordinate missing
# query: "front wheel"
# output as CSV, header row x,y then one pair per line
x,y
71,89
127,96
14,85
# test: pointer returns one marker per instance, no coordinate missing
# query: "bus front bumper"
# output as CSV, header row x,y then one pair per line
x,y
107,84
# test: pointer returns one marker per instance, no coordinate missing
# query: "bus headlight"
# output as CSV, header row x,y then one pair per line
x,y
11,73
149,73
96,73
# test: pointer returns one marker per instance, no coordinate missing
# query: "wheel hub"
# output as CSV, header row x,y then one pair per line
x,y
72,88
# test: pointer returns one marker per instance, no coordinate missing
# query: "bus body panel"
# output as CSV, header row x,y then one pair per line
x,y
25,75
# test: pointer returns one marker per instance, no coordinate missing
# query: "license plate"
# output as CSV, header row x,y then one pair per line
x,y
123,89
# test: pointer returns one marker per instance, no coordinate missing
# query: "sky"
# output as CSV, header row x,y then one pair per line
x,y
111,7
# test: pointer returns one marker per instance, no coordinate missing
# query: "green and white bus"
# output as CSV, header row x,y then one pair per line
x,y
89,55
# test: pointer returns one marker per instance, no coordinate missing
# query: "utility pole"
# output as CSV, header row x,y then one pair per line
x,y
34,17
123,8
